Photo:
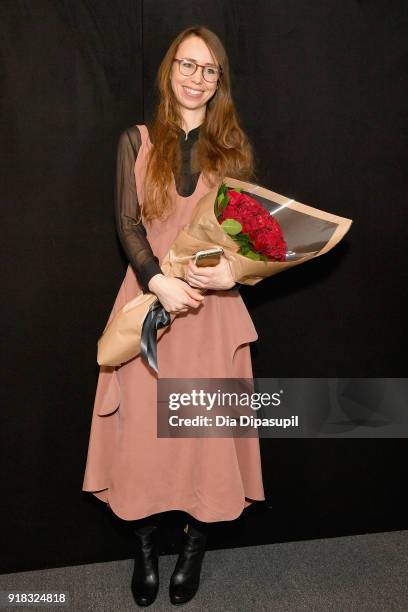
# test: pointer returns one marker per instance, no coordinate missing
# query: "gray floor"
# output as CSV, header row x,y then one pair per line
x,y
365,572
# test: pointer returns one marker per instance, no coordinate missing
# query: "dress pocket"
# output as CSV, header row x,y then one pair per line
x,y
108,395
245,332
234,323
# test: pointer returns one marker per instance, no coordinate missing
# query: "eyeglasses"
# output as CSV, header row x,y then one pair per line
x,y
188,67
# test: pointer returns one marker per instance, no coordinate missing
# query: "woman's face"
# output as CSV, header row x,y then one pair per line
x,y
193,48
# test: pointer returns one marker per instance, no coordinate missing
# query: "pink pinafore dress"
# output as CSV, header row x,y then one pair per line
x,y
138,474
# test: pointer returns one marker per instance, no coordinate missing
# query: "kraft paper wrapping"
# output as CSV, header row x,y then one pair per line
x,y
120,340
308,232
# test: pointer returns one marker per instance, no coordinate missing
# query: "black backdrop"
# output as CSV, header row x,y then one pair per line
x,y
319,87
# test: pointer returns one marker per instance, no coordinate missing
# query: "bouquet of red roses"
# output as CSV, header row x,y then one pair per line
x,y
257,233
261,233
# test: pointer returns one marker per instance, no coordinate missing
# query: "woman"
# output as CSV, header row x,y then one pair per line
x,y
162,172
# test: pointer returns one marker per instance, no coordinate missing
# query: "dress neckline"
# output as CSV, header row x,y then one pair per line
x,y
194,192
173,180
191,133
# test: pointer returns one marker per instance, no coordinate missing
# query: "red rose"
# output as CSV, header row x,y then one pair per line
x,y
269,243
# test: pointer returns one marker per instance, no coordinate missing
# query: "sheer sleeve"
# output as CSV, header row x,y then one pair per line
x,y
131,231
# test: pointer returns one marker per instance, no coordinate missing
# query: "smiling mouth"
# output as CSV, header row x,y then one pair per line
x,y
193,93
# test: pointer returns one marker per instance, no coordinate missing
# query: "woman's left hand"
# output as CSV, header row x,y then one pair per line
x,y
210,277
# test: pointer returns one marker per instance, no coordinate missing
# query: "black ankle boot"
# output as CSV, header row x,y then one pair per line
x,y
185,579
145,579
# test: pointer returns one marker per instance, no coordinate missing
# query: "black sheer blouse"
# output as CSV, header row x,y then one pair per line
x,y
131,231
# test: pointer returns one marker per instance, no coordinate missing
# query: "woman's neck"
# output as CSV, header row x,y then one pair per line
x,y
192,119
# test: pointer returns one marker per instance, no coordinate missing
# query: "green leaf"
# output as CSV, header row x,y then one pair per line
x,y
231,226
252,255
220,203
241,241
242,238
222,190
224,203
221,200
217,207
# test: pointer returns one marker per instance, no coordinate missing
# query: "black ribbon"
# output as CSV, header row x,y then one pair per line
x,y
156,318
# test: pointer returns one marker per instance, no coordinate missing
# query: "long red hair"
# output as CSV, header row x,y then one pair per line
x,y
223,149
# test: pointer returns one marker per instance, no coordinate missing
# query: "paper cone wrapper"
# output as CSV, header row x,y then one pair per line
x,y
309,232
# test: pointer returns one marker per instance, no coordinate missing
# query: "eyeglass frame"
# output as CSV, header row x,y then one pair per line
x,y
199,66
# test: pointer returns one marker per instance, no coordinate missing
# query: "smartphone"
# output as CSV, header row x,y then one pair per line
x,y
210,257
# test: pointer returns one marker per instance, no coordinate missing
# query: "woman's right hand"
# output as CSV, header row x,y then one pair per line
x,y
174,294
